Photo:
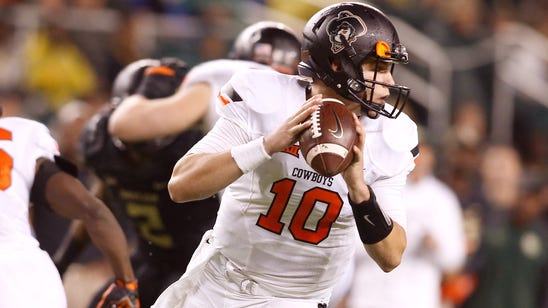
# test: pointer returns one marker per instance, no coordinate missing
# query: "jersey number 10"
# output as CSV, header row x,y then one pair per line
x,y
283,189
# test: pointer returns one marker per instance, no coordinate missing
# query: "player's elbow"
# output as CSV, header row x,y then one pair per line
x,y
181,187
187,180
386,259
115,128
388,253
183,190
124,124
390,263
177,191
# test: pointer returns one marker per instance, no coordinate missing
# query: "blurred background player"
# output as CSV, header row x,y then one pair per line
x,y
262,45
134,181
90,271
510,261
32,171
435,247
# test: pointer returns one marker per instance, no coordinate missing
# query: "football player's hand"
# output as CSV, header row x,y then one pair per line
x,y
163,80
289,132
120,294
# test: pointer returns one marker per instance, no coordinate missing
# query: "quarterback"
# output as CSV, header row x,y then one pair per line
x,y
284,237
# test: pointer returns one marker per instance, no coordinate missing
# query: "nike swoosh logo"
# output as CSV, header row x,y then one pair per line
x,y
338,132
366,217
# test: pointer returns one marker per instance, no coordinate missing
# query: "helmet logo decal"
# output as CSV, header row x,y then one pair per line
x,y
345,27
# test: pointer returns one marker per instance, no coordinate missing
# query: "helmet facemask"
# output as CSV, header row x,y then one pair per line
x,y
351,83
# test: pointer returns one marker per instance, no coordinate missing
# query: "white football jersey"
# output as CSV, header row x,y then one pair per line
x,y
284,225
22,142
216,73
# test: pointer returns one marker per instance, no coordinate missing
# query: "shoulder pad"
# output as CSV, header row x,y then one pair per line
x,y
392,144
218,72
401,134
254,86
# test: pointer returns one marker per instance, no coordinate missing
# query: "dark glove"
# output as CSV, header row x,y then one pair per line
x,y
120,294
163,80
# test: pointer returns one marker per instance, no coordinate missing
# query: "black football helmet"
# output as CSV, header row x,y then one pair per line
x,y
268,42
350,33
129,78
125,84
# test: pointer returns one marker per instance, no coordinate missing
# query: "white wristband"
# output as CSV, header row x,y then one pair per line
x,y
250,155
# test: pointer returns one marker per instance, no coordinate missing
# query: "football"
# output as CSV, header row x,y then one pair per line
x,y
327,145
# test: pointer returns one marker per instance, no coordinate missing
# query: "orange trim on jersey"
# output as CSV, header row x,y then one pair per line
x,y
417,160
293,150
224,100
5,134
160,70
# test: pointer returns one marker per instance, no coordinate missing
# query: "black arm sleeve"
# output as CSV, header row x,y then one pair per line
x,y
46,170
